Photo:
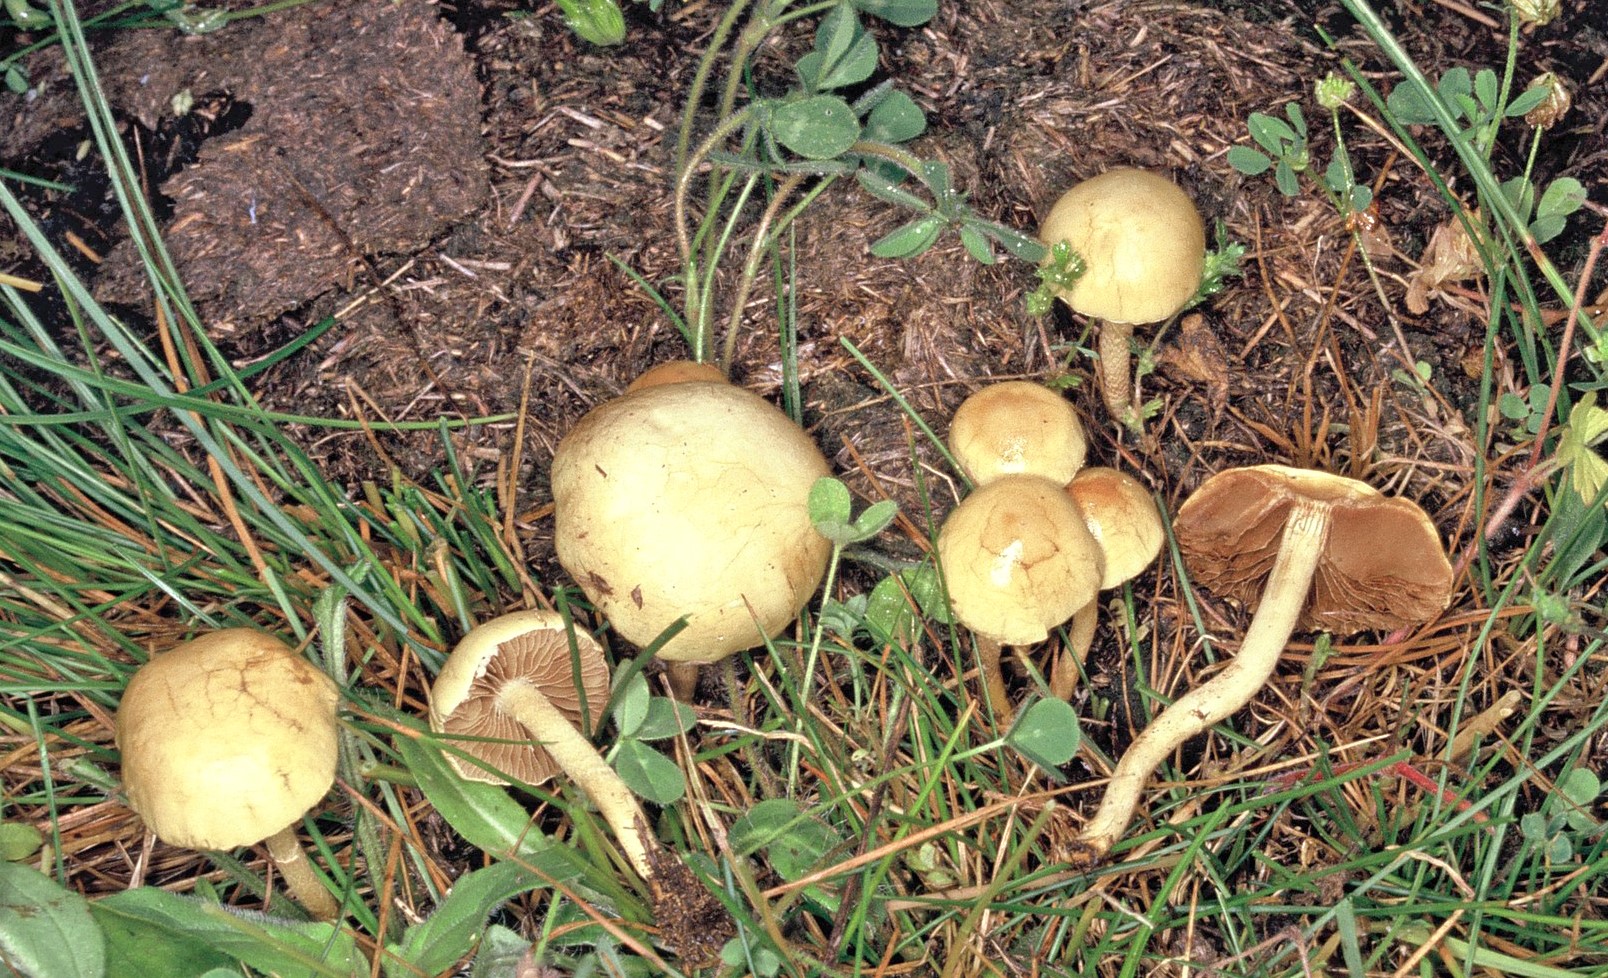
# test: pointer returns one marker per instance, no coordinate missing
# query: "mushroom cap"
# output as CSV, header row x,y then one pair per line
x,y
226,739
677,372
524,646
1123,518
1017,427
1142,240
692,499
1017,559
1383,564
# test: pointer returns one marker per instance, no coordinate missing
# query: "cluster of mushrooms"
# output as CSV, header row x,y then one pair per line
x,y
681,510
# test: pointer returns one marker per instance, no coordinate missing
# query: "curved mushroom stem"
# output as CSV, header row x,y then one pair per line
x,y
580,761
992,677
1116,376
1282,599
300,880
1080,638
683,678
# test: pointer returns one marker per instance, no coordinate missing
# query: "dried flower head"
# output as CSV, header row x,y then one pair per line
x,y
1536,13
1554,106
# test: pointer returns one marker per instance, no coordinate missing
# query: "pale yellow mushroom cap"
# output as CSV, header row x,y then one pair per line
x,y
692,499
1017,559
1015,428
1123,518
524,646
1143,242
226,739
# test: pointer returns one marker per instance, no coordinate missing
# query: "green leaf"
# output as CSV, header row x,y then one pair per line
x,y
819,127
794,842
875,519
829,502
846,54
45,929
649,773
500,955
1248,161
632,706
900,13
976,244
482,814
1527,100
147,922
1284,178
455,928
896,119
1562,197
19,841
910,239
1047,733
1270,132
1409,105
16,81
665,719
879,186
597,22
1486,90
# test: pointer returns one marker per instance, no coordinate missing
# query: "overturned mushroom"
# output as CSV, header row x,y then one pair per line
x,y
1305,549
227,740
1017,560
1144,249
513,690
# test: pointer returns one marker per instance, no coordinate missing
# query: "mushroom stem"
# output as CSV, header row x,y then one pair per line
x,y
683,679
300,880
578,759
1116,378
992,675
1079,639
1195,711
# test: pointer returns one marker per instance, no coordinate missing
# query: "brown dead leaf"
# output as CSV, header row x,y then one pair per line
x,y
1198,357
1450,256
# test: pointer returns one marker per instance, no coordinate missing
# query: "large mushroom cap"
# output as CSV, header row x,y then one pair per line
x,y
692,499
1017,559
226,739
1014,428
1142,240
523,647
1383,565
1123,519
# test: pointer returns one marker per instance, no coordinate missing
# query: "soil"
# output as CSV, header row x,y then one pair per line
x,y
460,187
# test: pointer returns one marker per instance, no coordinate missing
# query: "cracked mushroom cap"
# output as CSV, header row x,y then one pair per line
x,y
1017,427
226,739
1383,565
1017,559
690,499
1123,518
524,646
1142,240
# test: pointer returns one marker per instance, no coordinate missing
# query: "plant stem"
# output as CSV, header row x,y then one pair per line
x,y
1283,597
1080,638
1116,384
683,678
992,676
582,764
301,881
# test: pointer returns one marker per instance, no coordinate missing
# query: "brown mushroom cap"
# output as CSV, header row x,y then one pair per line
x,y
1142,240
1383,565
524,646
1017,427
1122,517
226,739
1017,559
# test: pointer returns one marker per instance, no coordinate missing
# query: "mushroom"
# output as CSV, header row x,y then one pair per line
x,y
1017,560
1305,549
1125,522
690,498
1143,246
1017,427
226,741
514,689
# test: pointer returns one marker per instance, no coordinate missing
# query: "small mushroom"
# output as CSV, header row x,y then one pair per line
x,y
690,498
1144,249
1305,549
1017,560
226,741
1125,522
514,690
1017,427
